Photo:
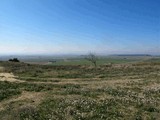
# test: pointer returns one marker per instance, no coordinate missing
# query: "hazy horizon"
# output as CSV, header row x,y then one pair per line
x,y
76,54
77,27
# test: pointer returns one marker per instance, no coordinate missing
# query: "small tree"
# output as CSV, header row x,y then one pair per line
x,y
92,58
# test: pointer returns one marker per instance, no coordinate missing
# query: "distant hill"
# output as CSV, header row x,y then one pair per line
x,y
132,55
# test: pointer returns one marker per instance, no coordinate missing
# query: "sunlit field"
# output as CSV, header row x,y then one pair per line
x,y
125,90
79,59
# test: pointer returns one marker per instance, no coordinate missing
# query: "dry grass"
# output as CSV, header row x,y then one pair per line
x,y
123,91
8,77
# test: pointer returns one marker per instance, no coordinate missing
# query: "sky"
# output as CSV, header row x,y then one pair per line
x,y
79,27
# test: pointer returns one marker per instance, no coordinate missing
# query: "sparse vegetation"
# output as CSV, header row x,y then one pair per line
x,y
121,91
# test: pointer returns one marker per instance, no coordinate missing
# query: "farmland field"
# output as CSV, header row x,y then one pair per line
x,y
79,60
125,90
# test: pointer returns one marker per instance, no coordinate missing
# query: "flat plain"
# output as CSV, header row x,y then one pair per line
x,y
119,91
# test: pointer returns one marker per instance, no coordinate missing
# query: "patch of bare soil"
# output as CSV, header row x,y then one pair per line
x,y
8,77
34,98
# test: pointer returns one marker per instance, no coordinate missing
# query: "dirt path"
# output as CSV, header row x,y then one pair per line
x,y
33,98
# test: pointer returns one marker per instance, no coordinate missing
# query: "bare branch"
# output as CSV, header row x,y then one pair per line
x,y
92,58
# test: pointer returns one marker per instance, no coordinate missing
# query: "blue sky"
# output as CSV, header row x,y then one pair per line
x,y
79,26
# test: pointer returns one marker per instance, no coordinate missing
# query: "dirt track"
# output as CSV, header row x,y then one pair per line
x,y
7,76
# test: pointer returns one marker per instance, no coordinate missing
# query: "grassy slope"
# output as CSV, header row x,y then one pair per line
x,y
121,91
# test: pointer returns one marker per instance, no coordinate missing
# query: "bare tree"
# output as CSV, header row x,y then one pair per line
x,y
92,58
